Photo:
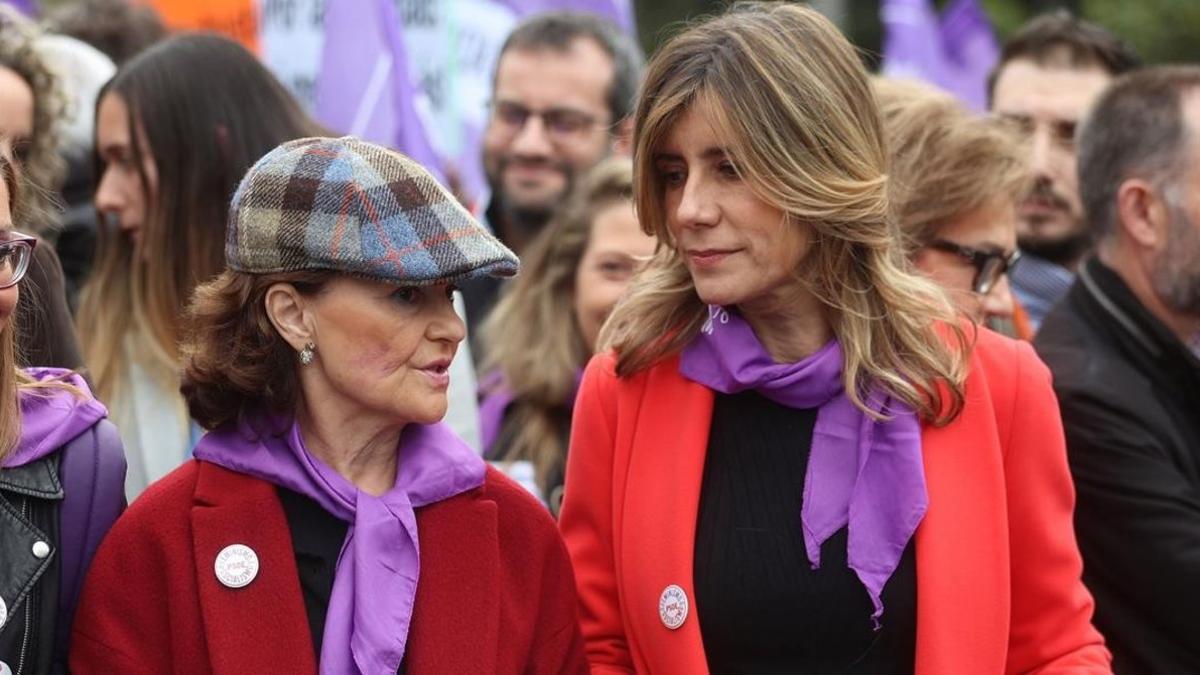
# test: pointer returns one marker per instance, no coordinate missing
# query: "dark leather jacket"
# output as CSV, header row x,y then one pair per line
x,y
30,497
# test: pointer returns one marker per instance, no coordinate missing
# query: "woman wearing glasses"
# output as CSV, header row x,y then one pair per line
x,y
62,473
794,458
955,179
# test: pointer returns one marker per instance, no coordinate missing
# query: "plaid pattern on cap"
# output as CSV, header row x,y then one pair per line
x,y
346,205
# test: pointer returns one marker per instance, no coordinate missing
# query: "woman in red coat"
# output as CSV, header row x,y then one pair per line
x,y
794,459
329,519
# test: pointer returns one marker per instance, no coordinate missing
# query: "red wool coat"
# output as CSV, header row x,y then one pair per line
x,y
998,570
496,594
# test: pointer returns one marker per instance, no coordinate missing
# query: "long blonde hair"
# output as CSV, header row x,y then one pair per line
x,y
791,96
532,338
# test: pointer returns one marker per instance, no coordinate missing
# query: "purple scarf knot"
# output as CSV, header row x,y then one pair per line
x,y
863,474
375,583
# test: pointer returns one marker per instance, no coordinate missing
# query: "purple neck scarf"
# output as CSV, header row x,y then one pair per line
x,y
863,474
375,584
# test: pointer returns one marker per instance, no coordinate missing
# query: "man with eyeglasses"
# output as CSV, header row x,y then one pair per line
x,y
1050,72
1122,347
564,87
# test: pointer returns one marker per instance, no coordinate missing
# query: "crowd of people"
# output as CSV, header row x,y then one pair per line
x,y
752,362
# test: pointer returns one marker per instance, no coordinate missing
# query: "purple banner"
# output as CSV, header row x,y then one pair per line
x,y
365,88
27,7
954,52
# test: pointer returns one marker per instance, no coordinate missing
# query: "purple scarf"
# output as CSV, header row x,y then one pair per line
x,y
863,474
375,584
51,418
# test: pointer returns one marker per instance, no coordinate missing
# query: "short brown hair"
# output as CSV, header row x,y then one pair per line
x,y
1049,37
558,30
944,162
234,360
1136,129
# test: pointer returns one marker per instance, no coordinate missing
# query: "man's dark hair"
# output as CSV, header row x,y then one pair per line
x,y
557,30
1049,37
1136,129
118,28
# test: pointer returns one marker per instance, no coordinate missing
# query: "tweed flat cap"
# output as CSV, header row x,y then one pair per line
x,y
346,205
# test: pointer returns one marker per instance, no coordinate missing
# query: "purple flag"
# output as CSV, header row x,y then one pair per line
x,y
954,52
619,12
26,7
364,87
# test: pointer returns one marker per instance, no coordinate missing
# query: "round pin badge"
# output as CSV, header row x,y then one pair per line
x,y
236,565
673,607
3,612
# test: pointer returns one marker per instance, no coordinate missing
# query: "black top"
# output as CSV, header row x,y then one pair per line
x,y
1129,391
762,608
317,538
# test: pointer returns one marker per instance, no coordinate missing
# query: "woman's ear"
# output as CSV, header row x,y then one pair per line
x,y
289,313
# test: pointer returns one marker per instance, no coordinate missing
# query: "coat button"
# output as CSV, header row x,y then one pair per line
x,y
236,565
40,550
673,607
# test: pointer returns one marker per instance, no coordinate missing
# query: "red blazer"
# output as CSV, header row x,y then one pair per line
x,y
495,594
998,571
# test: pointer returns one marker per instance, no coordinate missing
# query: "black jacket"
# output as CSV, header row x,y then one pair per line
x,y
54,512
1130,397
29,586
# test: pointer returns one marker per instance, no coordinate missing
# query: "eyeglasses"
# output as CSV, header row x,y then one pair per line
x,y
562,124
15,251
989,265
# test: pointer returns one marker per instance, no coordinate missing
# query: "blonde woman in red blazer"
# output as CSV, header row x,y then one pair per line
x,y
793,457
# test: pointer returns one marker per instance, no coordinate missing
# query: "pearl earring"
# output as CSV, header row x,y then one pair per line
x,y
308,353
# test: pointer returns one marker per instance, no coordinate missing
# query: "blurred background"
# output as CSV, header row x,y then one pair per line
x,y
422,68
1161,30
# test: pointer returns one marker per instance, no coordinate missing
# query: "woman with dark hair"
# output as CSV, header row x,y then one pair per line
x,y
61,480
176,128
329,517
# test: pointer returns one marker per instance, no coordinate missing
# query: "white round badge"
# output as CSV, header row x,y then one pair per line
x,y
41,550
236,565
673,607
3,612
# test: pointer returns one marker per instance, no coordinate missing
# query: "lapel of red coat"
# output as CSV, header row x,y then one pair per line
x,y
962,546
456,619
662,501
261,627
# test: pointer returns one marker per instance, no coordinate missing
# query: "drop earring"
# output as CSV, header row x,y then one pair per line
x,y
308,353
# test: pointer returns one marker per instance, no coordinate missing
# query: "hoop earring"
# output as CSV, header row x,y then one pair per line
x,y
308,353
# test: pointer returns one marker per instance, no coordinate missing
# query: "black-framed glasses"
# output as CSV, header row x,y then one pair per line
x,y
989,265
562,124
16,249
